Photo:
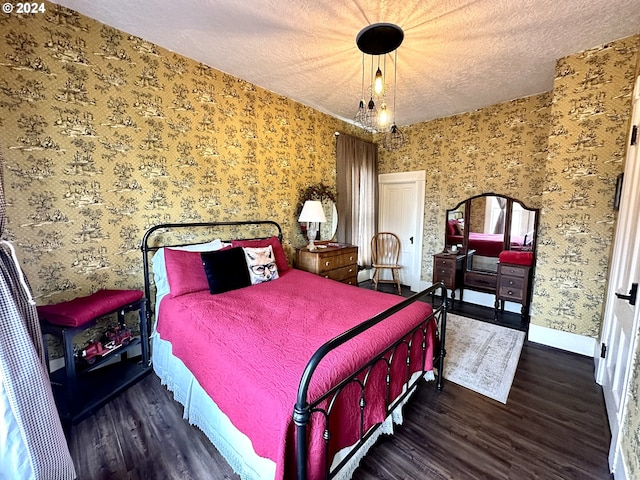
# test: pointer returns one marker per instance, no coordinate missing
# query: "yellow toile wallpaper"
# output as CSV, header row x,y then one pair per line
x,y
561,152
103,135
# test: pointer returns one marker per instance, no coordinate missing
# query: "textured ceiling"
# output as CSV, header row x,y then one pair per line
x,y
457,55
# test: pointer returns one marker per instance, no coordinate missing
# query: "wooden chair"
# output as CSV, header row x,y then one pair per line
x,y
385,252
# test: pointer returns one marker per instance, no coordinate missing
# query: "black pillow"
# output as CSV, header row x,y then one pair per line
x,y
226,269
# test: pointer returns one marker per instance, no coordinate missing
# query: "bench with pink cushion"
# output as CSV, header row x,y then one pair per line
x,y
79,393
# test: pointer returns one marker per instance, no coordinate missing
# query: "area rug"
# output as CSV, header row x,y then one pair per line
x,y
482,356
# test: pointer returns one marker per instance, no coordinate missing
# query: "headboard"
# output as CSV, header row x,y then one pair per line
x,y
182,234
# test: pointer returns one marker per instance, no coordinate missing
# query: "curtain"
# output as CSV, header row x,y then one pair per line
x,y
32,442
499,226
357,189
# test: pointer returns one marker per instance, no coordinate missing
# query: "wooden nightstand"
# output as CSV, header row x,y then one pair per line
x,y
513,285
448,268
336,263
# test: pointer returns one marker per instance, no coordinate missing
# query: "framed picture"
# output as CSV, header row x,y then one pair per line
x,y
618,194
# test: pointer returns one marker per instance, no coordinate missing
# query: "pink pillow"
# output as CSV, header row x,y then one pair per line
x,y
451,227
185,272
79,311
281,258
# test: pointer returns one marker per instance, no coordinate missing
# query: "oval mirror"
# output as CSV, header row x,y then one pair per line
x,y
328,228
325,194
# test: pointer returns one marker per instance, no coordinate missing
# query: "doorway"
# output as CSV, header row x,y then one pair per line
x,y
619,338
401,211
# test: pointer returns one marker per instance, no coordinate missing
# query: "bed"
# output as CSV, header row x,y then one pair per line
x,y
484,244
295,377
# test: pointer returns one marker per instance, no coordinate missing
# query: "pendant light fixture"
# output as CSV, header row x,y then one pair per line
x,y
377,41
393,139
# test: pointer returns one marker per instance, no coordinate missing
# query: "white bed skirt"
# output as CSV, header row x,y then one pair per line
x,y
201,411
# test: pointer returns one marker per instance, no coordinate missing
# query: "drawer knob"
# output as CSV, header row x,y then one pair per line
x,y
510,282
351,258
327,263
350,270
326,276
510,292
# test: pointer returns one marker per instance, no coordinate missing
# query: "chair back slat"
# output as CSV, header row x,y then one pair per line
x,y
385,248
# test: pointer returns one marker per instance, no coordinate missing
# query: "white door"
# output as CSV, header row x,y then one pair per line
x,y
621,315
401,211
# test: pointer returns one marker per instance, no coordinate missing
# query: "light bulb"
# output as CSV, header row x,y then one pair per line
x,y
378,83
383,116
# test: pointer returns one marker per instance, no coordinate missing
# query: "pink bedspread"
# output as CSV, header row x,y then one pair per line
x,y
486,244
248,349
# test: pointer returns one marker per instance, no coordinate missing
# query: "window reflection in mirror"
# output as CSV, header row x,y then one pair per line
x,y
523,224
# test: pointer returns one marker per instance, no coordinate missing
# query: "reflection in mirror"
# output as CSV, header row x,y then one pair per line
x,y
493,223
523,224
486,221
325,194
455,227
328,228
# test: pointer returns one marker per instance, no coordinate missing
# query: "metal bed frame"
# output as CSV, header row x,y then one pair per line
x,y
304,408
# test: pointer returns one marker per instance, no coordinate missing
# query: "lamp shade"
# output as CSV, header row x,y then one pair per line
x,y
312,211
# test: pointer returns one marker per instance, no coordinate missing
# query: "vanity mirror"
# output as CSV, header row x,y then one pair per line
x,y
484,226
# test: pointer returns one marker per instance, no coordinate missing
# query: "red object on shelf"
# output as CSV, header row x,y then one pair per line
x,y
114,338
516,257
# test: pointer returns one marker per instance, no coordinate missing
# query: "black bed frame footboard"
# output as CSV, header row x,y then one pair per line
x,y
181,234
303,409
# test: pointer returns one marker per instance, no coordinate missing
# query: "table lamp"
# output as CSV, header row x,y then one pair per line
x,y
313,214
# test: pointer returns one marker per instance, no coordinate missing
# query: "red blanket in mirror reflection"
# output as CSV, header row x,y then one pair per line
x,y
486,244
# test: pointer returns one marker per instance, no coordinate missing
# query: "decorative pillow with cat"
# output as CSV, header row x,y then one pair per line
x,y
261,263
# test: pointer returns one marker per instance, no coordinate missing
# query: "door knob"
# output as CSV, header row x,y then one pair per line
x,y
411,240
633,294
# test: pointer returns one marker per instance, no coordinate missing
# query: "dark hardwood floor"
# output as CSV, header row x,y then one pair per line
x,y
479,312
553,426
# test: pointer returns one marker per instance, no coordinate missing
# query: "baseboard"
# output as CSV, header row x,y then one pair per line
x,y
489,300
570,342
56,364
620,468
364,275
479,298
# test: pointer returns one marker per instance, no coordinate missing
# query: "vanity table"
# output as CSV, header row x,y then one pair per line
x,y
514,282
499,234
448,268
